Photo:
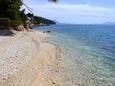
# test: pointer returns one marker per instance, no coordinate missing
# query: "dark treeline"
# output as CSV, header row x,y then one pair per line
x,y
39,20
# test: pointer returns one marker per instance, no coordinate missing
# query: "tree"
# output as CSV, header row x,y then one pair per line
x,y
30,15
11,9
23,16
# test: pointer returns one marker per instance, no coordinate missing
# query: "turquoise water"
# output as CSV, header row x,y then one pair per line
x,y
90,50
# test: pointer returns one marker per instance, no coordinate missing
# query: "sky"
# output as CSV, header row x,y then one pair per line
x,y
74,11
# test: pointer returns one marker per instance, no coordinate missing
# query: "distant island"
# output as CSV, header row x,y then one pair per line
x,y
109,23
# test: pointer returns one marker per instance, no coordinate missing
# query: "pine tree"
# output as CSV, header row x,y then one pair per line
x,y
11,9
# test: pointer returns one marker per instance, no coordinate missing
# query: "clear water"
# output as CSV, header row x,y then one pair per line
x,y
89,51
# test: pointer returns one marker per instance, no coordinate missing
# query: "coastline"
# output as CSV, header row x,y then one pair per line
x,y
27,59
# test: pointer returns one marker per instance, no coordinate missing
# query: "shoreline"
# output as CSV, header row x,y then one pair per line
x,y
28,60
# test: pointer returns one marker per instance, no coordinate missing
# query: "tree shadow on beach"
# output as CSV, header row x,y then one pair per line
x,y
6,33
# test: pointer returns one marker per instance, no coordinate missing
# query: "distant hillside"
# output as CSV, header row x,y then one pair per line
x,y
39,20
43,21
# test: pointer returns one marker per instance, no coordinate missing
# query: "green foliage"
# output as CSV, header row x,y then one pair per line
x,y
11,9
38,20
15,23
23,16
30,15
5,21
8,22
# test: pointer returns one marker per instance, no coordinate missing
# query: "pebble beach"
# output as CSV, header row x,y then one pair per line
x,y
26,59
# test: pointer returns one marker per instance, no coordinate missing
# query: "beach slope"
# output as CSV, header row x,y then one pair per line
x,y
26,59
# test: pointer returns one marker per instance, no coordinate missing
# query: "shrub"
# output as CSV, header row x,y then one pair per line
x,y
5,21
15,23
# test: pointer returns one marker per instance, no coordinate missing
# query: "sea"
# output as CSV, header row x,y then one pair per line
x,y
88,53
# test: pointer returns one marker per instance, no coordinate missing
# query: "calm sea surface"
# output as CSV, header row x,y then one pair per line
x,y
90,50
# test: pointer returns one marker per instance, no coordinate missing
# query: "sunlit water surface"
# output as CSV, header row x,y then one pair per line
x,y
88,53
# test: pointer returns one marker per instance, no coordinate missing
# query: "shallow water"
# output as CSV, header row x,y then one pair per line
x,y
88,57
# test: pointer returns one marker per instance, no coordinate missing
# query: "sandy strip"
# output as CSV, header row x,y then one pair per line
x,y
27,60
